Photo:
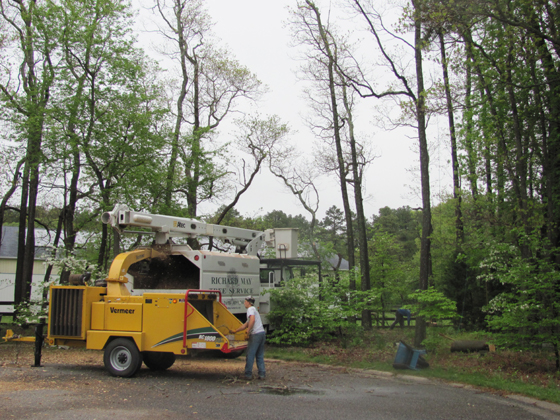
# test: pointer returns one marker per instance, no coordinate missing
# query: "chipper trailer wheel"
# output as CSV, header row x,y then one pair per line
x,y
122,357
158,360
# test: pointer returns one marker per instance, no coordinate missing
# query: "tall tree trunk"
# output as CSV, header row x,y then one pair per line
x,y
551,144
338,141
69,213
472,157
36,99
460,234
74,143
26,245
29,249
360,215
176,135
194,169
20,283
193,161
520,179
425,241
56,240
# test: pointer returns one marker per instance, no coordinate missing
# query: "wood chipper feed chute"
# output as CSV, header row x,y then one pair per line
x,y
208,323
227,322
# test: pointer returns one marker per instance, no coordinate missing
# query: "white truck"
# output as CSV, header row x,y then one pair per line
x,y
172,267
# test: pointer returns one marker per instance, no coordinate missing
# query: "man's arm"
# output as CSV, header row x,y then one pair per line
x,y
248,325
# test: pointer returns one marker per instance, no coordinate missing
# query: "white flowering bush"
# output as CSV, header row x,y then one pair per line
x,y
527,313
32,312
304,310
61,261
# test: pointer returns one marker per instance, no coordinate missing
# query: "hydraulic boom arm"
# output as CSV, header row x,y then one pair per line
x,y
165,227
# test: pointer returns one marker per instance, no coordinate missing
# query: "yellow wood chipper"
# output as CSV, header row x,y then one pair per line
x,y
153,328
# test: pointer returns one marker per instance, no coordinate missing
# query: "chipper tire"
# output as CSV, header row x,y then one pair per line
x,y
158,360
122,357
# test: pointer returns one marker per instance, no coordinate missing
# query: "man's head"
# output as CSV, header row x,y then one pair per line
x,y
249,300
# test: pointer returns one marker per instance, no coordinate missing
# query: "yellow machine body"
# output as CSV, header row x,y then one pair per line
x,y
156,322
152,327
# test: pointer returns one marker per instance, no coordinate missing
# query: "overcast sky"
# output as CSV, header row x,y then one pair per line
x,y
255,34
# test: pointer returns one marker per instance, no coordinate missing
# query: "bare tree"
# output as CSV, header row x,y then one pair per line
x,y
210,85
405,89
263,141
300,180
309,30
332,103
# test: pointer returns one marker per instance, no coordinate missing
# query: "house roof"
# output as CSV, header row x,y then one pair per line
x,y
9,244
344,265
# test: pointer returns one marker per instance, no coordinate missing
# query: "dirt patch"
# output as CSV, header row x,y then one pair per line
x,y
73,384
75,368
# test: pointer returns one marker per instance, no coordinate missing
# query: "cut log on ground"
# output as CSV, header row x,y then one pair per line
x,y
467,346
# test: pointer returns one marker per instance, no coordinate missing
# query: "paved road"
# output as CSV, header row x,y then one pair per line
x,y
211,389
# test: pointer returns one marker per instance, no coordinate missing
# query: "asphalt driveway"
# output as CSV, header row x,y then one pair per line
x,y
75,385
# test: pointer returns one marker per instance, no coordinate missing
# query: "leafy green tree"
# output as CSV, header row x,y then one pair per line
x,y
25,88
456,272
305,311
389,274
404,224
331,233
526,314
104,107
432,304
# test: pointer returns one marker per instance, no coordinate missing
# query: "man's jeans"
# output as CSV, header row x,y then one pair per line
x,y
255,348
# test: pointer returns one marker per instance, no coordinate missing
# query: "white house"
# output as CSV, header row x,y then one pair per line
x,y
8,260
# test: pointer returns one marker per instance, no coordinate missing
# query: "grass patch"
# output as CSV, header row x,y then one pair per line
x,y
532,374
296,354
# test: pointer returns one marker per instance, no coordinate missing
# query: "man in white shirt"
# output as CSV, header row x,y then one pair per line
x,y
257,338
